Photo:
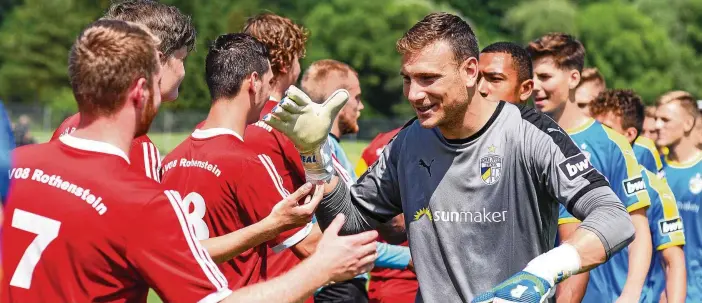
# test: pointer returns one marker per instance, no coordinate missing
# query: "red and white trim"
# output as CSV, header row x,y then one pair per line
x,y
152,161
273,173
209,268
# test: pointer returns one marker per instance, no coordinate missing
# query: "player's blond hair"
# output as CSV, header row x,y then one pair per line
x,y
650,111
685,99
315,79
592,75
105,60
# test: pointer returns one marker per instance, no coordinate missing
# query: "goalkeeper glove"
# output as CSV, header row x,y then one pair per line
x,y
537,281
308,124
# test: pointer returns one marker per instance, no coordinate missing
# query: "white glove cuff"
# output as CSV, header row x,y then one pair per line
x,y
556,265
318,164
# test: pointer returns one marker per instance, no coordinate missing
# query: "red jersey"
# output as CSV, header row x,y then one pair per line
x,y
387,285
143,154
85,228
264,139
226,186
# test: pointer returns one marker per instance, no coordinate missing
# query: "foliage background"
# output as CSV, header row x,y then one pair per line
x,y
650,45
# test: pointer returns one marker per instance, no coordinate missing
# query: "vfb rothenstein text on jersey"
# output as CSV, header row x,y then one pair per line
x,y
193,163
56,181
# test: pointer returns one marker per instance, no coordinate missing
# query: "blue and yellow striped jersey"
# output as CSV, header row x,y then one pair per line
x,y
647,154
611,154
685,180
666,231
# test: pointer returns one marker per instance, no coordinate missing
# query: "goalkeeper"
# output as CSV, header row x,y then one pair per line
x,y
476,180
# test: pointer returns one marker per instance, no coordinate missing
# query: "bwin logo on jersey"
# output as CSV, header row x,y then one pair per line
x,y
634,185
670,226
575,166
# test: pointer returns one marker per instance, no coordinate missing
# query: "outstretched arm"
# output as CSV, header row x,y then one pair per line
x,y
286,214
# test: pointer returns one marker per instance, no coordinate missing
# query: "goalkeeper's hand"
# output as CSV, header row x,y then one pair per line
x,y
307,124
521,287
537,281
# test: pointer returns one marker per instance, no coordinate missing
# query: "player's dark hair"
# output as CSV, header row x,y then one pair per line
x,y
170,25
624,103
232,58
440,27
520,58
567,52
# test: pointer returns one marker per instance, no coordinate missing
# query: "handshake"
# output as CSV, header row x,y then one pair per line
x,y
307,124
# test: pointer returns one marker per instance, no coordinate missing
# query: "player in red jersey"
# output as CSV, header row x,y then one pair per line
x,y
225,184
115,246
177,35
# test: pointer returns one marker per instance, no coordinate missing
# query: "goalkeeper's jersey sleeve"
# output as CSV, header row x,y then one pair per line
x,y
478,209
611,154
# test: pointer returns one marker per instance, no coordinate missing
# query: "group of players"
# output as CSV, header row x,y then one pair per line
x,y
470,185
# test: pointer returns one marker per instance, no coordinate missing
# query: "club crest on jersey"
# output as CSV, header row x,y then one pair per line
x,y
696,184
575,166
490,167
670,226
634,185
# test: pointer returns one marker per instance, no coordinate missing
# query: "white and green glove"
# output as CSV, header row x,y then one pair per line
x,y
307,124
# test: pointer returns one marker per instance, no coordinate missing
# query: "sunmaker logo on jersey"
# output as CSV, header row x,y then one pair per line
x,y
634,185
575,166
670,226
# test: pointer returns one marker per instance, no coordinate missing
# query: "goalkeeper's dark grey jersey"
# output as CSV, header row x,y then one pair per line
x,y
478,210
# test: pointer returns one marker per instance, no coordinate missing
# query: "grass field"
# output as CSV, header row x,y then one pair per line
x,y
167,141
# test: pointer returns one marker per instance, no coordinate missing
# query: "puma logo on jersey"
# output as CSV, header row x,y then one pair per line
x,y
575,166
670,226
550,130
634,185
424,164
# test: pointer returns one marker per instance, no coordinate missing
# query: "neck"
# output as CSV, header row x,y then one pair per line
x,y
477,113
570,117
278,90
683,151
230,113
115,130
336,130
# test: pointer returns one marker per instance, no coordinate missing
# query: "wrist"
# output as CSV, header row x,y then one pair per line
x,y
556,265
318,164
273,224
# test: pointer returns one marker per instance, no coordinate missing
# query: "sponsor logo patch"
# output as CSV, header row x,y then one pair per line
x,y
575,166
634,185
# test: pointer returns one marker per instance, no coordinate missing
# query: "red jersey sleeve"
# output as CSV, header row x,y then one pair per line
x,y
164,250
259,191
145,158
292,160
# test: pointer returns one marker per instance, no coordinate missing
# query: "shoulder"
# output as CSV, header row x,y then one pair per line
x,y
646,144
34,152
141,139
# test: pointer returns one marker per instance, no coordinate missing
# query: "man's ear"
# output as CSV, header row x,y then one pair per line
x,y
525,90
573,79
139,93
689,123
254,82
472,71
631,133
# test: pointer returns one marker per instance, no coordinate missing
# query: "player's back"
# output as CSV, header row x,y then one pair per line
x,y
685,180
647,154
225,187
144,156
72,215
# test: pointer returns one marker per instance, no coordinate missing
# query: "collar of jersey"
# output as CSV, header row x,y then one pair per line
x,y
589,122
688,164
213,132
93,146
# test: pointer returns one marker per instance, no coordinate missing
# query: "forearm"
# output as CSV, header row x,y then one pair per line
x,y
392,256
639,255
675,274
572,289
339,201
294,286
224,248
606,227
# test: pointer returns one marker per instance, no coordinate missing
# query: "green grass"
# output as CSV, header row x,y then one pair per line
x,y
167,141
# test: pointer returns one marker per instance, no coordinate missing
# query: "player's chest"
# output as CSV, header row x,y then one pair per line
x,y
475,180
686,185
